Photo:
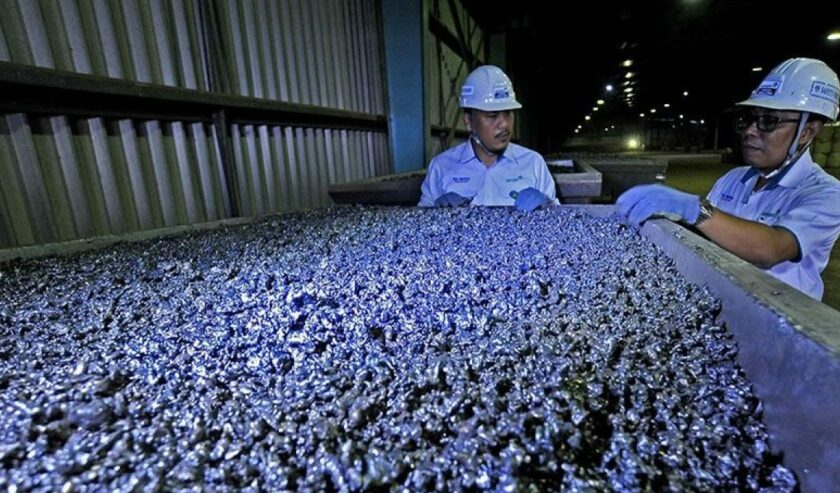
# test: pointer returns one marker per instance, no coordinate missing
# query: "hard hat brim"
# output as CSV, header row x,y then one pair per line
x,y
775,104
502,106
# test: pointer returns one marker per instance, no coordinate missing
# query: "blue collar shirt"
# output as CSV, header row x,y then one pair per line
x,y
459,170
804,200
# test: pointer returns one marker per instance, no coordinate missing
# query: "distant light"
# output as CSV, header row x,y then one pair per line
x,y
653,110
666,105
612,126
629,75
595,108
757,69
685,93
628,89
587,117
599,102
702,122
642,115
577,131
627,63
633,143
835,36
681,117
609,87
606,129
580,126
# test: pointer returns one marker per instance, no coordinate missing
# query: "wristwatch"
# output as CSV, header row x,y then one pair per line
x,y
706,211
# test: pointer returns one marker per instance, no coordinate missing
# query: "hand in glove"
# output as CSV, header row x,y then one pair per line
x,y
529,199
642,202
451,199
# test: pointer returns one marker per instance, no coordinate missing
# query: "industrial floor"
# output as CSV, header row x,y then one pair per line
x,y
696,173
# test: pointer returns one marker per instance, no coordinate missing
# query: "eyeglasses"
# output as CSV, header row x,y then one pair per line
x,y
765,122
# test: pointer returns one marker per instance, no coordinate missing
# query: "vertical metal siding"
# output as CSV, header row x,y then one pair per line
x,y
64,178
276,56
70,20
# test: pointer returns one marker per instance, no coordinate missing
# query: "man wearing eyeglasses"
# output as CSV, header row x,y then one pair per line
x,y
782,211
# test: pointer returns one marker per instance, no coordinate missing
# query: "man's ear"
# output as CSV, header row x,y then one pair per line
x,y
812,128
468,121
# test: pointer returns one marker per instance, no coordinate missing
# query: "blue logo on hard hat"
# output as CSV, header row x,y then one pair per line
x,y
501,94
467,91
822,90
768,87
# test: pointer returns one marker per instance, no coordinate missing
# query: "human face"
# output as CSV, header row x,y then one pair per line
x,y
493,128
767,149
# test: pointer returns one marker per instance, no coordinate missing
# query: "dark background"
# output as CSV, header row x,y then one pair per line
x,y
561,55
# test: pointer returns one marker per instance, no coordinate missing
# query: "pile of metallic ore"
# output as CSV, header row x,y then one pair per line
x,y
375,349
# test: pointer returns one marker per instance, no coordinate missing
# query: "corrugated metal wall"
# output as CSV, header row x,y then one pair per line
x,y
63,178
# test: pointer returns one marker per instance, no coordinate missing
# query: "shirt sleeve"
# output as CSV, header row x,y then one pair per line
x,y
430,190
814,221
545,182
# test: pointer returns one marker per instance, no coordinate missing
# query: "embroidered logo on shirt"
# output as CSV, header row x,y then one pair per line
x,y
767,216
726,197
516,178
460,179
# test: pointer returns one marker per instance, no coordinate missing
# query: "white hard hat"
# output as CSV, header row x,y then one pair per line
x,y
799,84
487,88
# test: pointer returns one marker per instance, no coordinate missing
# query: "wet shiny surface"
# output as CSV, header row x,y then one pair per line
x,y
362,349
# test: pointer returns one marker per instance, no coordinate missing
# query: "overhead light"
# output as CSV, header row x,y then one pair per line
x,y
757,69
702,122
577,131
653,110
642,115
599,102
681,117
587,117
628,75
606,129
835,36
627,63
628,89
685,93
580,126
595,108
666,105
609,87
612,126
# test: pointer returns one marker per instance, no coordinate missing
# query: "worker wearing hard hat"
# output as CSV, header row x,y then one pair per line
x,y
782,212
488,169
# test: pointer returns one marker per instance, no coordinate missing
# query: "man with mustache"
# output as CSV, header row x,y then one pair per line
x,y
488,169
782,212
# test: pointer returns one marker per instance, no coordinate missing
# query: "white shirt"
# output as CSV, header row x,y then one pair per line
x,y
459,170
802,199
